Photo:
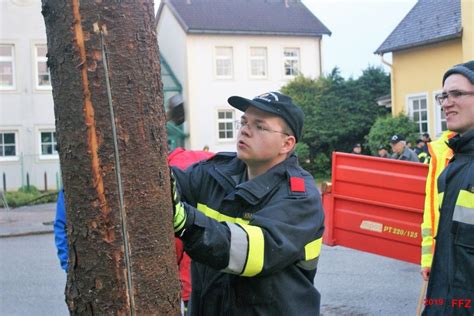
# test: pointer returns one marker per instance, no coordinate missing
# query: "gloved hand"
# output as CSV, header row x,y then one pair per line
x,y
179,213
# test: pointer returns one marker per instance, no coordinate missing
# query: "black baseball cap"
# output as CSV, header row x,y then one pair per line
x,y
396,138
274,103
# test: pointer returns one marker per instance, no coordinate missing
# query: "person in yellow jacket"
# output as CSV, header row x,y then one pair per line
x,y
440,156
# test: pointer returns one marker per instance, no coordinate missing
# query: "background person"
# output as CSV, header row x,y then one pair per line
x,y
357,149
400,150
422,155
382,152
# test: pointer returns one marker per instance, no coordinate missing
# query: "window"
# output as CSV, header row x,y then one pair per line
x,y
224,67
226,124
43,77
258,62
48,144
7,144
440,118
418,112
7,67
291,61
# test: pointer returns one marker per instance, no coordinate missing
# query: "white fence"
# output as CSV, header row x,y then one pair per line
x,y
24,170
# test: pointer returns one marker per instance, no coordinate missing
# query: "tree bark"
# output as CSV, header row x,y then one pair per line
x,y
121,246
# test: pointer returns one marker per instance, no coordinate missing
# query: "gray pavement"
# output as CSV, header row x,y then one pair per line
x,y
27,220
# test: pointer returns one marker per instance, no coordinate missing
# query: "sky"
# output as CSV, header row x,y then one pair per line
x,y
358,28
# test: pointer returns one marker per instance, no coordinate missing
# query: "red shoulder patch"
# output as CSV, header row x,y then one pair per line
x,y
297,184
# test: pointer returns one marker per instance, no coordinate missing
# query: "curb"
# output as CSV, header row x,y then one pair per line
x,y
25,233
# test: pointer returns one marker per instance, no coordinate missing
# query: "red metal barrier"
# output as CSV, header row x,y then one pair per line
x,y
376,205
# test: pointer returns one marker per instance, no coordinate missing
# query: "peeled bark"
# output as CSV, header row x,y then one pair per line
x,y
121,255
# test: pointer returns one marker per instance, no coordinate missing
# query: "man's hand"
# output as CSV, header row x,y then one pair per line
x,y
179,213
425,272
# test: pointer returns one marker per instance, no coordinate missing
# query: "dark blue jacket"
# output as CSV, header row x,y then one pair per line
x,y
255,244
451,281
60,235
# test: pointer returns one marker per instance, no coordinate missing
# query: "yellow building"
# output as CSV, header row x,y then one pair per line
x,y
432,37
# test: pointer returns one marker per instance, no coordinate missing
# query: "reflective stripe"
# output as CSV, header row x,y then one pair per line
x,y
463,215
209,212
179,217
256,244
313,249
464,209
254,238
238,249
466,199
427,232
426,250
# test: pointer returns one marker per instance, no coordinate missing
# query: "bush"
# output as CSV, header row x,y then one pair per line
x,y
302,151
338,113
22,198
385,127
29,189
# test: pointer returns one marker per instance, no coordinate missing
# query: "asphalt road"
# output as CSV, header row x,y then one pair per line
x,y
31,281
350,282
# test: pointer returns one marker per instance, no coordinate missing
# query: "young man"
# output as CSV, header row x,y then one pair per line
x,y
452,273
400,149
252,221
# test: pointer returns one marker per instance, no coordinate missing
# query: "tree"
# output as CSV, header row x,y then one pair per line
x,y
338,112
113,152
385,127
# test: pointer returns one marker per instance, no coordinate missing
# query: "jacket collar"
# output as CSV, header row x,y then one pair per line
x,y
253,190
463,144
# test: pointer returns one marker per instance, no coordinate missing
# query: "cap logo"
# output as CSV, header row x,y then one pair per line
x,y
268,97
394,137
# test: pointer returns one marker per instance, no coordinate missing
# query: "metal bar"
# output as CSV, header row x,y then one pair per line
x,y
123,215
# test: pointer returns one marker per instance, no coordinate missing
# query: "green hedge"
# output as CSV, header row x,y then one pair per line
x,y
29,196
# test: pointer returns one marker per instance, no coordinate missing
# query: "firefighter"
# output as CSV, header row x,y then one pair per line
x,y
452,273
252,221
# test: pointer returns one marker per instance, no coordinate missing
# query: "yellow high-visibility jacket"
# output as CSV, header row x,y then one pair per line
x,y
440,156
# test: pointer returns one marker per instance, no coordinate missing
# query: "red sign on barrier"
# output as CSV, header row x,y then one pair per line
x,y
376,205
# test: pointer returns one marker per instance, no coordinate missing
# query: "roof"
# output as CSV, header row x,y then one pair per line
x,y
261,17
428,22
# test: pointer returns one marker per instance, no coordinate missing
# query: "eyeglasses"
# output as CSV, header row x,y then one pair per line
x,y
256,127
454,94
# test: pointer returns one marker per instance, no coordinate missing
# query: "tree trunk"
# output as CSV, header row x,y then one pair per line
x,y
121,245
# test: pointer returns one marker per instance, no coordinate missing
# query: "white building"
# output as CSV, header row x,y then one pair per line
x,y
27,124
27,127
222,48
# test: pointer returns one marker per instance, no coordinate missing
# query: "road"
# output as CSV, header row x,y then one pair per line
x,y
31,281
350,282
